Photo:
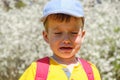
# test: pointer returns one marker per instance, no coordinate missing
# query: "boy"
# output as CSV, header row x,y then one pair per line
x,y
63,21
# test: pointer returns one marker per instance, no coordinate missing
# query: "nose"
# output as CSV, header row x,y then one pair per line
x,y
66,39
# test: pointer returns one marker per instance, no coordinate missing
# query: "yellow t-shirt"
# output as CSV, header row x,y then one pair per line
x,y
57,72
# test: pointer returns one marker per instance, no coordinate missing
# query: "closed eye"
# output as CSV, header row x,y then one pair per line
x,y
57,33
74,32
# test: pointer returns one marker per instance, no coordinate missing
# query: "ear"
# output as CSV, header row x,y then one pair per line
x,y
83,33
45,36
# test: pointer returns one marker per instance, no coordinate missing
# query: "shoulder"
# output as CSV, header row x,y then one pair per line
x,y
87,62
94,68
95,71
29,73
91,64
32,67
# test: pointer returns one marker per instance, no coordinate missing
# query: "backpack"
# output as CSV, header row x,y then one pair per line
x,y
42,71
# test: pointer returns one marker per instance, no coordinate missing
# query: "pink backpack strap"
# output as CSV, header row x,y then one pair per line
x,y
42,68
87,68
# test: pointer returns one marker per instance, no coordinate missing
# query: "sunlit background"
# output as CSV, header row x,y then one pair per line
x,y
21,41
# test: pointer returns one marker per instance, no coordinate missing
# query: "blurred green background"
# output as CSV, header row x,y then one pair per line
x,y
21,40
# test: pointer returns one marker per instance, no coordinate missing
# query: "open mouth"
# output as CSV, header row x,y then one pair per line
x,y
66,49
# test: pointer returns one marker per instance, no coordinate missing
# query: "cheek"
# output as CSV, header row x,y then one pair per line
x,y
78,40
53,41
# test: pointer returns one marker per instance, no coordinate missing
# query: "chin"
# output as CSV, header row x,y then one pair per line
x,y
67,56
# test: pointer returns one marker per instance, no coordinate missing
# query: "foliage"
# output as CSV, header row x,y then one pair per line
x,y
19,4
21,39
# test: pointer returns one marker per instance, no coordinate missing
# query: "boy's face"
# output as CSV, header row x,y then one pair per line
x,y
64,38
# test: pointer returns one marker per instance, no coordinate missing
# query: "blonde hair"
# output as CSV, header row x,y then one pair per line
x,y
61,18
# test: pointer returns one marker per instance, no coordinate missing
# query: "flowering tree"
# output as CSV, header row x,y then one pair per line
x,y
21,40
